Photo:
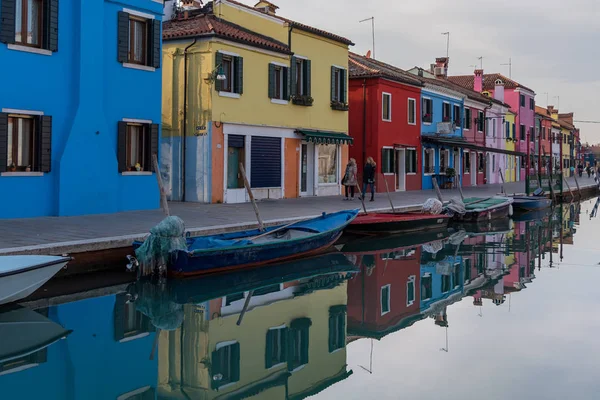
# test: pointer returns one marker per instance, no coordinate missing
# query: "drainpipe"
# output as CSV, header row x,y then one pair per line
x,y
364,147
184,134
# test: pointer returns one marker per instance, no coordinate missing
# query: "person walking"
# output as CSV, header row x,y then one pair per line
x,y
580,170
349,180
369,178
589,171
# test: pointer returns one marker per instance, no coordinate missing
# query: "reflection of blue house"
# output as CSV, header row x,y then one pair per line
x,y
105,357
440,279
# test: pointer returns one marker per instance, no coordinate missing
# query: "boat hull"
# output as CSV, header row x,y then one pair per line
x,y
529,203
484,215
389,223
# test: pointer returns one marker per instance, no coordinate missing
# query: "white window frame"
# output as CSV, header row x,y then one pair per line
x,y
465,154
414,101
411,279
432,151
389,305
424,98
383,94
449,112
447,151
413,149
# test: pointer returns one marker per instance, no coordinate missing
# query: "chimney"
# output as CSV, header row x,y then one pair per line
x,y
191,4
368,54
478,81
440,69
499,90
266,7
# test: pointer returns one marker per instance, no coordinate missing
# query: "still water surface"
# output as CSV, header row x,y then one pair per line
x,y
460,315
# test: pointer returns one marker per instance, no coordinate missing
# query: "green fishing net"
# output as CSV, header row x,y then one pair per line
x,y
166,237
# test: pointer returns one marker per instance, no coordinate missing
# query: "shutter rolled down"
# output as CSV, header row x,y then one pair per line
x,y
45,146
265,162
7,21
156,38
239,75
218,66
122,37
122,146
3,141
271,81
51,25
307,79
293,77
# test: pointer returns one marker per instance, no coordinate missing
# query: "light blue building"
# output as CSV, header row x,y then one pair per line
x,y
440,279
80,106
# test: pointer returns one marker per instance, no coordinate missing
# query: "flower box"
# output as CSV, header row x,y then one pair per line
x,y
302,100
339,106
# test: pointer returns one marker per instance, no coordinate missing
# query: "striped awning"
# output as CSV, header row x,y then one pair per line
x,y
323,137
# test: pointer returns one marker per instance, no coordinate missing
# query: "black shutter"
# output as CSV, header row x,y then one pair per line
x,y
294,73
45,143
215,369
286,83
118,317
269,348
51,25
122,146
271,81
306,64
218,67
239,75
3,141
265,162
333,93
123,37
7,21
304,345
235,361
155,40
153,146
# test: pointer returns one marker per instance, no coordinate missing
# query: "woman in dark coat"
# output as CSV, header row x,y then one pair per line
x,y
369,177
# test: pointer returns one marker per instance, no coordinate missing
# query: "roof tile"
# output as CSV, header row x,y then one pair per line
x,y
363,67
489,81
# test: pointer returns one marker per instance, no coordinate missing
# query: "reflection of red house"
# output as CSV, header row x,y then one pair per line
x,y
384,297
385,109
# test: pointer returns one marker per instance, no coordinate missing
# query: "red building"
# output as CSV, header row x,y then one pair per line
x,y
384,121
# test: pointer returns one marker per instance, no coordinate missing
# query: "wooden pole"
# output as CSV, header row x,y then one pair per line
x,y
361,197
163,194
501,177
246,304
387,189
462,195
437,189
154,344
261,226
577,183
569,187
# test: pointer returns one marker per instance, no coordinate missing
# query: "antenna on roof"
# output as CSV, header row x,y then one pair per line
x,y
372,19
447,43
509,68
481,62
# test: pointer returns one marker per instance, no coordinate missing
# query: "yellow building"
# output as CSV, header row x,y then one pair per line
x,y
512,163
291,343
257,89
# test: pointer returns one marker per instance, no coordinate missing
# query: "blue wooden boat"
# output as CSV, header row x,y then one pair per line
x,y
251,248
530,203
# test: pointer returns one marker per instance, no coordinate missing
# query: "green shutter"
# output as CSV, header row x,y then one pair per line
x,y
286,83
344,83
342,330
215,368
269,348
293,83
332,322
284,343
290,348
7,21
307,79
239,75
333,93
218,66
271,81
305,346
235,360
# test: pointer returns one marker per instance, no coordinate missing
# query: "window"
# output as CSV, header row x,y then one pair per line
x,y
480,121
278,82
138,41
467,162
522,100
468,267
426,287
531,103
411,161
298,349
232,67
522,134
339,86
446,112
564,139
25,143
456,114
327,163
301,84
507,126
456,276
128,322
428,160
410,291
523,162
427,110
385,299
532,134
137,143
337,327
31,23
514,131
28,22
276,346
388,161
225,365
493,122
232,298
481,162
446,283
468,118
236,155
412,111
444,160
386,107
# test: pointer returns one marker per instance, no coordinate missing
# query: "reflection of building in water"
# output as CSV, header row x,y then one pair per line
x,y
291,343
441,278
385,296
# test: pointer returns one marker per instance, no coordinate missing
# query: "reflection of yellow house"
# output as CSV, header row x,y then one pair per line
x,y
263,91
511,161
291,342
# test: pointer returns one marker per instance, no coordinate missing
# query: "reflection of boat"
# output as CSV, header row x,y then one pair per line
x,y
486,227
532,215
391,242
386,223
228,251
20,276
484,209
25,332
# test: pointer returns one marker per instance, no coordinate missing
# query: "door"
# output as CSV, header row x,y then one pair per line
x,y
518,169
400,170
456,166
474,169
307,169
236,154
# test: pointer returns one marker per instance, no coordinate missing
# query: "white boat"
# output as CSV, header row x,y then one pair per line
x,y
25,332
20,276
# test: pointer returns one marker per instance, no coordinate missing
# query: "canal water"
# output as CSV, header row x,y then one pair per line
x,y
505,310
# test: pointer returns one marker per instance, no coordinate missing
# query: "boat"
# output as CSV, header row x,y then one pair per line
x,y
534,215
251,248
530,203
389,223
25,332
483,209
20,276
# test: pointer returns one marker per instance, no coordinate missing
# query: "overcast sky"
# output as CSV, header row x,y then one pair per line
x,y
554,44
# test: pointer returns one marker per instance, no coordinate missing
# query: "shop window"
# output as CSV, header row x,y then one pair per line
x,y
328,168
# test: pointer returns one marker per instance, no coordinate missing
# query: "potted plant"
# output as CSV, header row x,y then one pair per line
x,y
302,100
450,173
339,106
427,118
12,167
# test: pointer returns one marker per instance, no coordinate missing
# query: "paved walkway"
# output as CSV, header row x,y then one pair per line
x,y
56,235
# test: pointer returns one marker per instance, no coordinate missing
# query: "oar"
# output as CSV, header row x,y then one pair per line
x,y
462,196
437,189
387,189
278,229
246,304
163,194
154,344
362,198
261,226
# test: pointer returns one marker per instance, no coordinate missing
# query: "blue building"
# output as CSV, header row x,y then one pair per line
x,y
80,113
440,279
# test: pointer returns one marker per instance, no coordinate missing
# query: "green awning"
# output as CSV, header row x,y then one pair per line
x,y
322,137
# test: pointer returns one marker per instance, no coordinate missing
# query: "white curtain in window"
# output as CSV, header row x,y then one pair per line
x,y
327,163
25,131
138,50
33,7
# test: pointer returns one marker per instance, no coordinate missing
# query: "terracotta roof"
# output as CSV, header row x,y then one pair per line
x,y
565,124
208,25
543,112
363,67
489,81
300,26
